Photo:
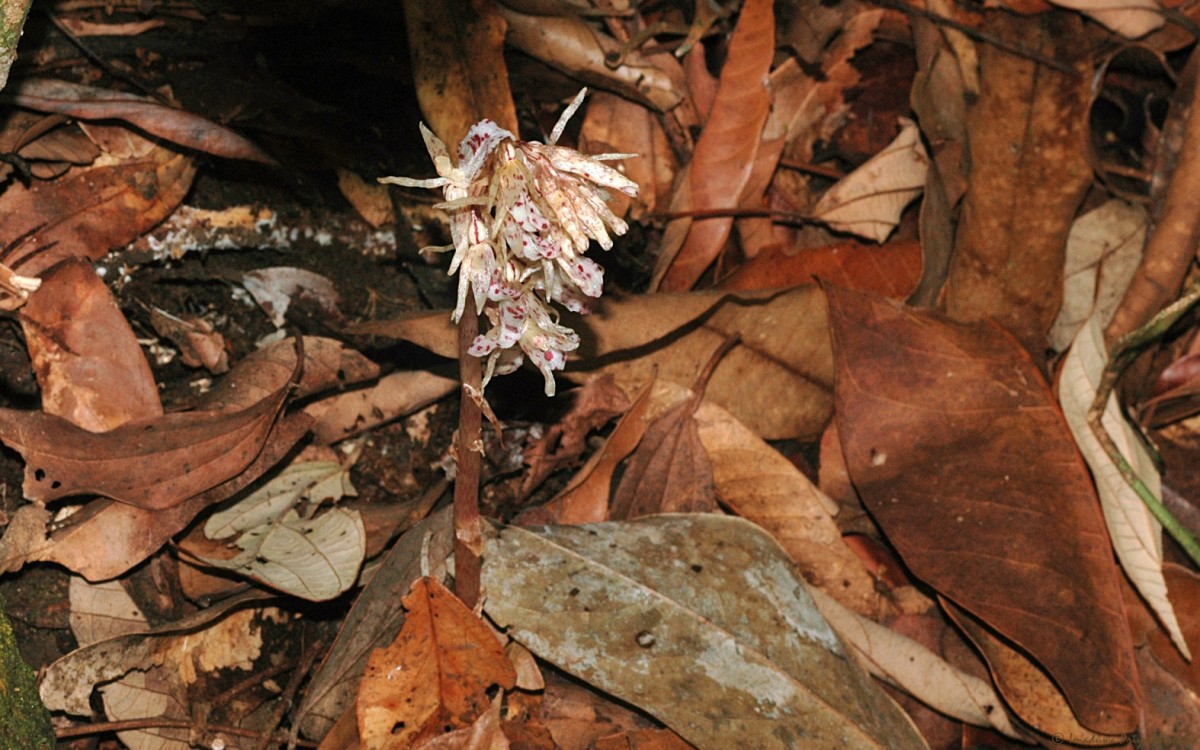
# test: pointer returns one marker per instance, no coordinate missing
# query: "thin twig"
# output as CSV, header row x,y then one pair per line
x,y
87,730
980,36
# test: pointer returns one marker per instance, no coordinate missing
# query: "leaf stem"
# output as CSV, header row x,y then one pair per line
x,y
1124,352
468,541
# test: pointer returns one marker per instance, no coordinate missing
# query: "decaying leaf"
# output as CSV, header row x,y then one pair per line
x,y
175,125
1129,18
929,411
696,637
1136,534
434,676
68,683
314,481
1025,183
917,670
570,44
275,288
88,363
107,538
869,200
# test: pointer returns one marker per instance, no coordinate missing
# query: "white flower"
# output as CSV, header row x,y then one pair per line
x,y
522,215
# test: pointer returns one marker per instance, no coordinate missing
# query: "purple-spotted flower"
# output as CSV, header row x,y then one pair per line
x,y
522,215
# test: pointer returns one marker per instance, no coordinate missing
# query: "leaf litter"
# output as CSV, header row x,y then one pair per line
x,y
225,383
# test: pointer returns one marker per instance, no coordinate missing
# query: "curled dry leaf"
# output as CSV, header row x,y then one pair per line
x,y
696,638
1136,534
571,45
918,671
174,125
200,345
435,675
868,202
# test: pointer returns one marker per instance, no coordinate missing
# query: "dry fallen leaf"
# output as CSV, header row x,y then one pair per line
x,y
1136,534
89,365
696,638
868,202
1103,249
435,675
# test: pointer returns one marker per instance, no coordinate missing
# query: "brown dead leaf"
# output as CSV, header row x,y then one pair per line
x,y
394,396
370,199
434,676
200,345
107,538
86,214
1025,183
174,125
669,472
643,739
892,270
1026,687
725,153
88,363
929,412
274,289
373,622
458,65
151,463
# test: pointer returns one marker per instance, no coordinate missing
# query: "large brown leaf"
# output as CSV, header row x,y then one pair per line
x,y
435,676
1029,171
958,449
107,538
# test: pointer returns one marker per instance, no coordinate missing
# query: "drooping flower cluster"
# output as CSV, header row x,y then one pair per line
x,y
521,216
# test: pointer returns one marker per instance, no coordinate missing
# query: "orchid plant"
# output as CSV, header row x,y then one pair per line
x,y
522,215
